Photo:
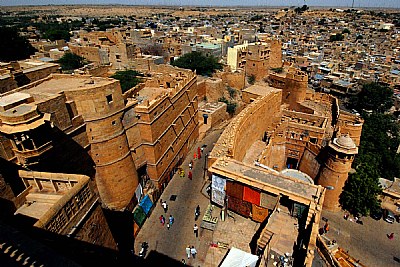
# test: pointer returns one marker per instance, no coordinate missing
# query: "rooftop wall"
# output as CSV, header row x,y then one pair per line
x,y
260,116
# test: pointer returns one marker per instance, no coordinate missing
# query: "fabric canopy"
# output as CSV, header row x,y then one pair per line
x,y
139,216
146,204
251,195
259,213
239,258
239,206
234,189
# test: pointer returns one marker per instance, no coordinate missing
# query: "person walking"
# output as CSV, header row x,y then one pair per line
x,y
191,164
162,220
326,227
171,220
197,212
165,206
199,152
168,226
188,251
190,175
193,251
196,230
391,236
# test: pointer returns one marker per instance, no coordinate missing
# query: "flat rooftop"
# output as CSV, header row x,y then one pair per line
x,y
234,169
151,93
60,83
260,90
12,98
35,210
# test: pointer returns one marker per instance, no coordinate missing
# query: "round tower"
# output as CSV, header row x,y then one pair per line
x,y
334,173
102,105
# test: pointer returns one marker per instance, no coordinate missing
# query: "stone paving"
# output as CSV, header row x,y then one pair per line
x,y
173,242
235,231
367,242
285,230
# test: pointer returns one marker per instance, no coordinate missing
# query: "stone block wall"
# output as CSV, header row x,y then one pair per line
x,y
167,128
102,108
91,53
351,124
333,175
309,164
7,84
260,116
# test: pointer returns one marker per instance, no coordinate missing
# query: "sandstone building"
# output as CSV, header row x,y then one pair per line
x,y
19,73
64,204
149,128
256,58
288,152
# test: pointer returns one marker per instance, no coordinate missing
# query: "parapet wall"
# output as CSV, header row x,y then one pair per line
x,y
260,116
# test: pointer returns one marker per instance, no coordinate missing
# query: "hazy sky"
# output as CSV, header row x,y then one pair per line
x,y
342,3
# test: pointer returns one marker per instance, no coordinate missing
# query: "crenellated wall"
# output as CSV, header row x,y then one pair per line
x,y
350,124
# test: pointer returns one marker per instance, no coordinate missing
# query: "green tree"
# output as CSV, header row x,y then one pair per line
x,y
57,34
251,79
379,142
71,61
373,97
13,46
336,37
197,61
345,30
361,191
128,79
230,105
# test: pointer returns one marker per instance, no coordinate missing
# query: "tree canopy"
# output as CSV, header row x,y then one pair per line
x,y
336,37
197,61
71,61
377,156
361,191
128,79
57,34
13,46
374,97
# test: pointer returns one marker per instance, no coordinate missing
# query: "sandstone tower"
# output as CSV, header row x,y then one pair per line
x,y
295,88
335,170
275,60
116,175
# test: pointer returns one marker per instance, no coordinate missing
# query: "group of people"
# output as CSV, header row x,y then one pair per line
x,y
191,251
162,219
171,220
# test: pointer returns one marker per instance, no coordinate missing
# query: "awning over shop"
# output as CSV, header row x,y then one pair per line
x,y
239,258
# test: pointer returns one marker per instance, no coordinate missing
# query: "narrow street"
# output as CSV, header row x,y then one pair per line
x,y
368,242
172,242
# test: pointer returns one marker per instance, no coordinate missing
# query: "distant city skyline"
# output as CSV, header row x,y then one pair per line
x,y
336,3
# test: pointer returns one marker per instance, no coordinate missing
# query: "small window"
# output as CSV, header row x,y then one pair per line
x,y
118,56
109,99
254,65
313,140
114,123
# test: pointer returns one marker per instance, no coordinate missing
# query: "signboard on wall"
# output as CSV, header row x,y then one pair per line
x,y
218,185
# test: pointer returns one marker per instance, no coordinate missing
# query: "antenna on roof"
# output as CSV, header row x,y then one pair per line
x,y
352,5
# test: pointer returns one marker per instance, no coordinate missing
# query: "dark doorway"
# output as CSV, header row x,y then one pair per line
x,y
292,163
